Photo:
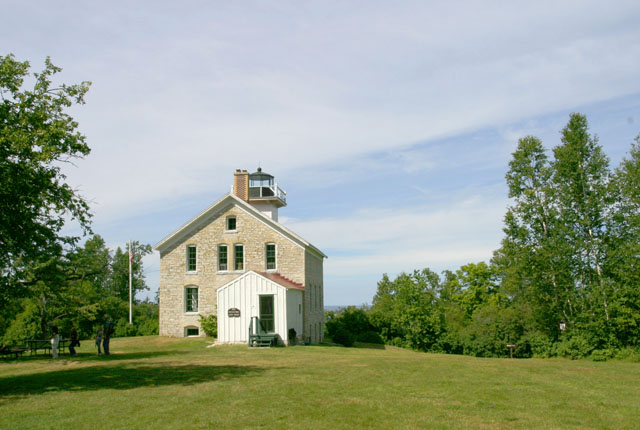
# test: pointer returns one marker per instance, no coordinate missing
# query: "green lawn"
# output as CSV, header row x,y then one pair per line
x,y
153,382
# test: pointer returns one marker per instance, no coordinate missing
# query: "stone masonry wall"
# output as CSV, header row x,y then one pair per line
x,y
313,298
253,234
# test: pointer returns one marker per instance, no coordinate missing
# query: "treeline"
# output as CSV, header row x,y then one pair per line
x,y
565,281
77,288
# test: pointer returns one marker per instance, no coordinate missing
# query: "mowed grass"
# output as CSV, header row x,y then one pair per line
x,y
157,383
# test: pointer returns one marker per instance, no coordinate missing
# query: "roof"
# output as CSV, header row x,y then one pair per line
x,y
212,211
279,279
276,278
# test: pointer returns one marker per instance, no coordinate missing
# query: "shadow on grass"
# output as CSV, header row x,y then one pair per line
x,y
118,377
85,356
369,345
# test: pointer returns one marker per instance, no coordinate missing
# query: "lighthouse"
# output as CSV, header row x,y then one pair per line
x,y
260,190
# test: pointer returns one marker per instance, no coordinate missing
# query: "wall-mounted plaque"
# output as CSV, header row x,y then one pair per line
x,y
233,313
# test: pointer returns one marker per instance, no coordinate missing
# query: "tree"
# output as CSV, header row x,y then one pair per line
x,y
118,283
36,137
406,311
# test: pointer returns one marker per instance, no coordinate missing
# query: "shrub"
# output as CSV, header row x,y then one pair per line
x,y
574,347
629,354
148,328
124,329
25,326
602,354
370,337
539,345
209,324
343,337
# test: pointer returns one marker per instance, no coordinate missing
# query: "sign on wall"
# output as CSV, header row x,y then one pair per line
x,y
233,313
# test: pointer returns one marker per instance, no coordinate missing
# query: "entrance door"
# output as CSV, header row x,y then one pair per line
x,y
266,314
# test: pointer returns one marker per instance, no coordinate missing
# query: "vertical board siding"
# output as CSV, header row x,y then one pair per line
x,y
243,293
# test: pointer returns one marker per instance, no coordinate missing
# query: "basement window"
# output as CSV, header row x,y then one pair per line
x,y
191,331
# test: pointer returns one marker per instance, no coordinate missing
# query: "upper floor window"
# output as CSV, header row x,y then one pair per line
x,y
271,256
223,257
238,257
191,258
231,223
191,299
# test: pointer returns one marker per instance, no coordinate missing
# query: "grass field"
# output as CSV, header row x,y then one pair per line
x,y
162,383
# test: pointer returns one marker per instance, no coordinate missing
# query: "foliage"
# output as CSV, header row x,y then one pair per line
x,y
75,290
563,282
406,309
349,324
209,324
574,346
37,136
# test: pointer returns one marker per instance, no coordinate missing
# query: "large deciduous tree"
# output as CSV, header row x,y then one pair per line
x,y
37,136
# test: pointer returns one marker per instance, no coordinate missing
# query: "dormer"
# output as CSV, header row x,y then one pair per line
x,y
260,190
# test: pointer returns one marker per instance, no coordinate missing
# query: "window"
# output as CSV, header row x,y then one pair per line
x,y
231,223
238,257
223,257
191,258
271,256
192,331
191,299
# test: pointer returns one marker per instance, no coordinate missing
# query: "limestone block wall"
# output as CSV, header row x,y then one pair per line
x,y
252,233
313,298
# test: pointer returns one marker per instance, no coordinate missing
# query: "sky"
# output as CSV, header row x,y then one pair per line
x,y
389,124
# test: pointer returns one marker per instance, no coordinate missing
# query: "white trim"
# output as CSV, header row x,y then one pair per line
x,y
266,262
186,253
226,224
186,287
218,258
217,208
186,328
243,258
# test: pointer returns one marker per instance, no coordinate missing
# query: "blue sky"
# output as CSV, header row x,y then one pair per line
x,y
390,124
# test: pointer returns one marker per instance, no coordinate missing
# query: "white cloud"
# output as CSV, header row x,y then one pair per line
x,y
189,95
406,238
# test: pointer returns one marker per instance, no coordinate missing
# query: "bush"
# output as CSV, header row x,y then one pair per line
x,y
574,347
370,337
538,344
602,354
25,326
124,329
629,354
148,328
343,337
209,325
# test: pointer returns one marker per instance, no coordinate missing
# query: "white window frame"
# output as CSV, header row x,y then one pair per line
x,y
226,224
191,327
195,247
235,269
226,269
275,257
186,299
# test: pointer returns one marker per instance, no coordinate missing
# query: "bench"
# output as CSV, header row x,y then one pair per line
x,y
33,345
15,351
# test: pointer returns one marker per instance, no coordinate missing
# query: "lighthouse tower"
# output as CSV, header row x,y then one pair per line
x,y
260,190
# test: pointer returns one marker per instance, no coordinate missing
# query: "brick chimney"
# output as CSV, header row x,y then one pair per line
x,y
241,184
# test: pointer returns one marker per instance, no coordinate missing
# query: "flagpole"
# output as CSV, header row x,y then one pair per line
x,y
130,285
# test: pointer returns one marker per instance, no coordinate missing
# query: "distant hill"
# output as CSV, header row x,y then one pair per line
x,y
334,308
